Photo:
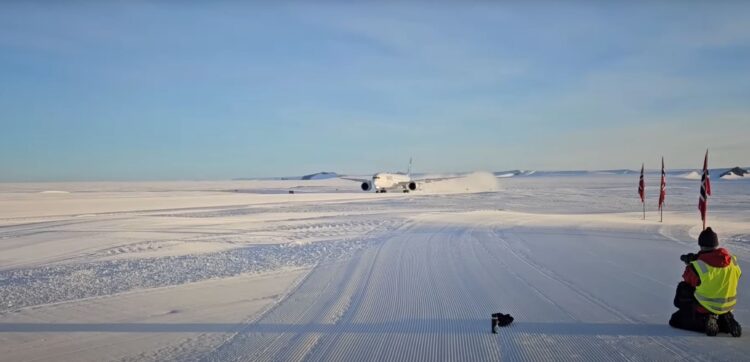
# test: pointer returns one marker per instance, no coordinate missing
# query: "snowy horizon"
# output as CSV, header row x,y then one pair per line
x,y
715,172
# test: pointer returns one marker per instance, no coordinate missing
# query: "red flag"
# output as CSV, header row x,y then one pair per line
x,y
705,190
663,190
642,187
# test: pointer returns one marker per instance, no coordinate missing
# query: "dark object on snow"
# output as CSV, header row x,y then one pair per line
x,y
735,171
500,320
708,240
689,258
291,191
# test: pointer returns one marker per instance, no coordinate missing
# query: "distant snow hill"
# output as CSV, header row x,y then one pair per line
x,y
692,175
734,174
616,172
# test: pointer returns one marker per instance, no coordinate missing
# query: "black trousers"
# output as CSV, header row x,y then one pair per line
x,y
687,317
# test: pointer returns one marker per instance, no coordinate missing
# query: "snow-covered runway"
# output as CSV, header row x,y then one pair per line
x,y
210,272
426,294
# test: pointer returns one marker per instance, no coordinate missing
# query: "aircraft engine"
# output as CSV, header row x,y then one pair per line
x,y
366,186
412,185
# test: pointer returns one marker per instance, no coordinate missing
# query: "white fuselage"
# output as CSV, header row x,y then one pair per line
x,y
388,181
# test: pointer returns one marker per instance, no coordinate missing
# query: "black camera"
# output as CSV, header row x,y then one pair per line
x,y
689,258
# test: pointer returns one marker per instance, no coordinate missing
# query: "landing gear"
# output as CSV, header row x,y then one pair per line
x,y
406,191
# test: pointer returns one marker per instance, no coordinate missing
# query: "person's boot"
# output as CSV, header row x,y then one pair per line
x,y
733,327
712,325
494,324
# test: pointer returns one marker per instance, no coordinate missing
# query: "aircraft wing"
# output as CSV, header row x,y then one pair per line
x,y
355,179
435,179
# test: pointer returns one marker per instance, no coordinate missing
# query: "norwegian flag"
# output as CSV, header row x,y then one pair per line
x,y
663,190
642,187
705,191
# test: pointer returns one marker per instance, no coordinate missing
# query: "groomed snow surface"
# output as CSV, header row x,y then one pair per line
x,y
244,271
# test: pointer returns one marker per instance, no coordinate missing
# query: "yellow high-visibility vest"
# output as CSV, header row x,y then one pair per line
x,y
718,289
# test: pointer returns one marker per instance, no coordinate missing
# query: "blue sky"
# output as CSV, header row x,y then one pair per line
x,y
163,90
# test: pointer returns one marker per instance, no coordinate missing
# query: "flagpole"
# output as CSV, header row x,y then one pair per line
x,y
642,192
705,207
705,190
662,191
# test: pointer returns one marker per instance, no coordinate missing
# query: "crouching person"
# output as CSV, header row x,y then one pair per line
x,y
708,293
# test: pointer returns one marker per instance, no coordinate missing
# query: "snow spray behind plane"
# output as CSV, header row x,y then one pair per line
x,y
474,182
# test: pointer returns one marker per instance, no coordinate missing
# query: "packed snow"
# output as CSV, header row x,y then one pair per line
x,y
243,270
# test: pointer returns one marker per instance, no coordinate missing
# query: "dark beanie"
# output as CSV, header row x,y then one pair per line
x,y
708,239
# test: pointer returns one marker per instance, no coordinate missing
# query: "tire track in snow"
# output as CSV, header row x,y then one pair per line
x,y
414,305
530,285
339,311
324,349
425,293
553,276
669,346
526,346
298,309
309,313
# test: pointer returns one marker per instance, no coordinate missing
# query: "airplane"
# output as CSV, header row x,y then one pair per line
x,y
383,182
